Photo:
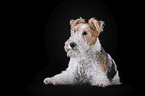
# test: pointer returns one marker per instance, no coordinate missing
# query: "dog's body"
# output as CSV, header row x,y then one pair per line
x,y
89,63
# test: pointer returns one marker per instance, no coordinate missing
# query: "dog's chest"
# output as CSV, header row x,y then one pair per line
x,y
83,69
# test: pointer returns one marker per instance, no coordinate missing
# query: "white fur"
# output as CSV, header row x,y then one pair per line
x,y
83,66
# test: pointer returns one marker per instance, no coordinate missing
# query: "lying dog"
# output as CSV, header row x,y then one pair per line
x,y
89,63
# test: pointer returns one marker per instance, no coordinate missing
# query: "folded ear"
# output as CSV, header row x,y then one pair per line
x,y
77,21
96,25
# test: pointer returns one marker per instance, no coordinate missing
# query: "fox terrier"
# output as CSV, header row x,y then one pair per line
x,y
89,63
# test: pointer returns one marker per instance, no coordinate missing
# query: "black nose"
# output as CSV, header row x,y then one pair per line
x,y
72,44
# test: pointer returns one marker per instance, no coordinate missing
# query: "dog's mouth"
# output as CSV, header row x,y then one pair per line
x,y
68,49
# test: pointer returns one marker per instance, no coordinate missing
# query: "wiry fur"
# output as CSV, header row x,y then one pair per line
x,y
89,63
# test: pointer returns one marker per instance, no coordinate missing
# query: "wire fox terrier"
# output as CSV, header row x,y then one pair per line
x,y
89,63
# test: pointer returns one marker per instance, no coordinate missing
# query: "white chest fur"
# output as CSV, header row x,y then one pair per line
x,y
83,68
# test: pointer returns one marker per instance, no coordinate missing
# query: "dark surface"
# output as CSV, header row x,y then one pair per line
x,y
77,90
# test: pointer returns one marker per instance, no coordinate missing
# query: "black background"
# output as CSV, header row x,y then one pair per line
x,y
45,27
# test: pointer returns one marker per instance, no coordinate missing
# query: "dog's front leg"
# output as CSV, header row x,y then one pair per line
x,y
100,80
66,77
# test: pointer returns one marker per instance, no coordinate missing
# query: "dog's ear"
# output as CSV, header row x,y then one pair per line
x,y
96,25
77,21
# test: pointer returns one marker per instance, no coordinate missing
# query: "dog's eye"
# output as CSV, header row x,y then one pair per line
x,y
84,33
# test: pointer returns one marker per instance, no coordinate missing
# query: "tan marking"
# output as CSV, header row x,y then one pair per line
x,y
77,21
92,39
96,25
77,28
101,58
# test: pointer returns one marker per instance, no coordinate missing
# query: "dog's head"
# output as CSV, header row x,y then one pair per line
x,y
83,35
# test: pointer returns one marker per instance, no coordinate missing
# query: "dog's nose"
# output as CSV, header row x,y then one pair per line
x,y
72,44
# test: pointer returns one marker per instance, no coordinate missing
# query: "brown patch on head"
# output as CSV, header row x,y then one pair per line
x,y
102,59
96,25
77,21
91,38
95,28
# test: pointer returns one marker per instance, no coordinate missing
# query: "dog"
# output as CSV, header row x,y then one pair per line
x,y
89,63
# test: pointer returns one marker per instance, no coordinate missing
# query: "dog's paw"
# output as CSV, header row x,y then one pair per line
x,y
47,81
101,83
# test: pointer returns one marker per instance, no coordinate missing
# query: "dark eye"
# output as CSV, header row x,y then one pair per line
x,y
85,33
